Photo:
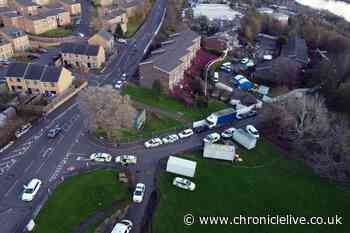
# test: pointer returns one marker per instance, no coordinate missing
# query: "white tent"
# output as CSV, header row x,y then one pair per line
x,y
181,166
218,151
244,138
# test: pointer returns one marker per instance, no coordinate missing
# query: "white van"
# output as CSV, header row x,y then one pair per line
x,y
124,226
216,77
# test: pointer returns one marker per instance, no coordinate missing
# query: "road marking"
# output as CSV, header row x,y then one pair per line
x,y
29,166
10,189
4,167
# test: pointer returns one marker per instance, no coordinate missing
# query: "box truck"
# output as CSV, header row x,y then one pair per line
x,y
221,117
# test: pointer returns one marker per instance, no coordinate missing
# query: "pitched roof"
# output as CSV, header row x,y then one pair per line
x,y
16,69
26,3
70,2
296,49
51,74
174,49
79,48
130,3
13,32
113,14
106,35
34,72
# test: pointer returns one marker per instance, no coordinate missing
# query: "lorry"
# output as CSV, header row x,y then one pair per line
x,y
179,166
221,117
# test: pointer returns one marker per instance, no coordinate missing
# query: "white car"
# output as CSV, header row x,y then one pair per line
x,y
186,133
215,78
184,183
228,133
31,189
139,193
101,157
124,76
170,139
124,226
118,84
154,142
252,131
212,138
24,129
126,159
81,34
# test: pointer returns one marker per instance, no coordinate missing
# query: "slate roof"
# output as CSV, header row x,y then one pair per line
x,y
13,32
130,3
70,2
82,49
113,14
170,58
26,3
32,71
106,35
296,49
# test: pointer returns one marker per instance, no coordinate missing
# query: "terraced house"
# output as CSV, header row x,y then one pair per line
x,y
25,7
72,6
6,50
169,63
103,38
112,18
18,38
83,55
28,78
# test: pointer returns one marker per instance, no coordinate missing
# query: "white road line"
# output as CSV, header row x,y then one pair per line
x,y
10,189
29,166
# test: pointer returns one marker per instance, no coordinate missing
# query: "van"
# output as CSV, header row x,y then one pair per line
x,y
124,226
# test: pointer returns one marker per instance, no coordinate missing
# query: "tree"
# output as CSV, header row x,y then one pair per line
x,y
119,31
285,73
106,109
157,88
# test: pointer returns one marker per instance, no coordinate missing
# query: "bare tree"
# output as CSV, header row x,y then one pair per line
x,y
107,109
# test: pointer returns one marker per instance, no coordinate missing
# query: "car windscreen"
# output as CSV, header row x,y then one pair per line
x,y
28,190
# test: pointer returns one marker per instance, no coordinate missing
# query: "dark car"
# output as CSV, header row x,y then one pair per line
x,y
200,129
54,132
247,115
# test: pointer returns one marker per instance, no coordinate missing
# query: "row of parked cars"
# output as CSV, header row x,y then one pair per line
x,y
155,142
228,134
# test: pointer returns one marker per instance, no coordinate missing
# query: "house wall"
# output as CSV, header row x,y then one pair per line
x,y
6,51
63,19
39,26
73,9
82,60
148,74
98,40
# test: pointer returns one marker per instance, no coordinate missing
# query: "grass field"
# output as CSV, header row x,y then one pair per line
x,y
58,32
155,125
133,24
168,103
265,184
77,198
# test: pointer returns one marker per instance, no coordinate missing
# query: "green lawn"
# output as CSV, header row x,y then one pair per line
x,y
171,104
133,24
77,198
264,184
58,32
155,125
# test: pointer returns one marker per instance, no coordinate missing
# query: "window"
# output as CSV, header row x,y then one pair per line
x,y
53,84
19,80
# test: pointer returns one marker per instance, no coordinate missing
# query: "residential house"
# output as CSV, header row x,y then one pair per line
x,y
72,6
18,38
6,50
106,2
112,18
41,2
12,19
83,55
132,6
103,38
37,79
3,3
61,16
169,63
38,24
25,7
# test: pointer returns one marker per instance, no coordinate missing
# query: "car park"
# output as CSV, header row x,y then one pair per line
x,y
126,159
54,132
184,183
124,226
212,138
24,129
139,193
252,131
118,84
170,139
228,133
101,157
154,142
186,133
31,189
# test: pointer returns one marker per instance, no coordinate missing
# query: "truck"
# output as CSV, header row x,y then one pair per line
x,y
179,166
221,117
200,126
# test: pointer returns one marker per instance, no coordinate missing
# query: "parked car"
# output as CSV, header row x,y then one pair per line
x,y
184,183
139,193
186,133
212,138
226,67
124,76
252,131
170,139
126,159
81,34
124,226
215,78
54,132
42,50
228,133
24,129
101,157
154,142
200,129
31,189
246,115
118,84
123,41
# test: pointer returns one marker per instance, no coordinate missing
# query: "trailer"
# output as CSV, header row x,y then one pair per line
x,y
221,117
181,166
244,138
219,151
